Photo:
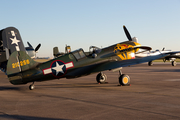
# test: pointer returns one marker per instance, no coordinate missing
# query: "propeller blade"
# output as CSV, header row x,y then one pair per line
x,y
37,48
163,49
127,33
30,45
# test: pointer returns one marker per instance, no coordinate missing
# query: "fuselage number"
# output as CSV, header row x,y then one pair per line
x,y
21,63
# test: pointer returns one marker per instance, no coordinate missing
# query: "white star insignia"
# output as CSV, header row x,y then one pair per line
x,y
58,68
14,40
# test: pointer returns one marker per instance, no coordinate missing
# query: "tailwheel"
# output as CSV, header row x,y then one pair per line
x,y
32,86
124,80
174,63
101,78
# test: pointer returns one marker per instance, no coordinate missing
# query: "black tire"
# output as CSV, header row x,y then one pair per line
x,y
150,63
124,80
174,63
101,78
31,87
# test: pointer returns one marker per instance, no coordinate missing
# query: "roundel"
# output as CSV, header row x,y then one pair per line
x,y
58,68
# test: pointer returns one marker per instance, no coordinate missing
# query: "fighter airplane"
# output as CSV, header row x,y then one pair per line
x,y
22,69
56,52
31,51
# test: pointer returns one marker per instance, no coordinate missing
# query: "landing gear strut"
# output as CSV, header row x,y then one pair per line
x,y
124,79
101,78
32,86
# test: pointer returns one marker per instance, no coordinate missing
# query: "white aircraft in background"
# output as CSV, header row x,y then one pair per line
x,y
31,51
172,58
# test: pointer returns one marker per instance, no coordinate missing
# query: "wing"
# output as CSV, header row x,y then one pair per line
x,y
116,64
173,52
125,63
108,65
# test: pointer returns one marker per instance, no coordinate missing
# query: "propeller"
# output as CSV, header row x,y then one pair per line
x,y
36,49
128,35
29,44
31,51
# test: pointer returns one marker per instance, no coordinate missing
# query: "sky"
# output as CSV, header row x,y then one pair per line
x,y
82,23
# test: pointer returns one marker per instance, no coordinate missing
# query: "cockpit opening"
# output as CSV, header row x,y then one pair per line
x,y
93,51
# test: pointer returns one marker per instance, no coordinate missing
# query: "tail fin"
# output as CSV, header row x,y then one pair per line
x,y
10,41
14,57
56,52
18,62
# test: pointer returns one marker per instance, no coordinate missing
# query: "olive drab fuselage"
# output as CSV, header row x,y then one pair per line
x,y
71,65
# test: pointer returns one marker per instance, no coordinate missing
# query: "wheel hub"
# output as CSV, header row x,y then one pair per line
x,y
125,80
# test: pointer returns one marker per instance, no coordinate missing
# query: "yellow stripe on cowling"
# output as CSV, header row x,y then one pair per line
x,y
126,51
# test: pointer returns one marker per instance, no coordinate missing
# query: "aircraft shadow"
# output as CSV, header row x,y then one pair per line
x,y
21,117
167,70
9,88
79,85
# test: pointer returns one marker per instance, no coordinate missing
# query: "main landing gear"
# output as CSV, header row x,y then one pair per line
x,y
124,80
101,78
32,86
173,62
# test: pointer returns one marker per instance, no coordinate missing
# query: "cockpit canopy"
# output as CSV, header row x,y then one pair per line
x,y
79,54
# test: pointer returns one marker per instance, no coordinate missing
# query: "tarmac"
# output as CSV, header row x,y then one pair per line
x,y
154,93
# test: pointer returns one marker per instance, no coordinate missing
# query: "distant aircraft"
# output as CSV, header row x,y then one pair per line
x,y
172,58
31,51
22,69
56,52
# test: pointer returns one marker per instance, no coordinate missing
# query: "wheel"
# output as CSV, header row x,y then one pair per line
x,y
174,63
101,78
150,63
124,80
31,87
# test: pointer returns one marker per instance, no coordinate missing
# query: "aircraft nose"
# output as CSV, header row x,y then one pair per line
x,y
137,44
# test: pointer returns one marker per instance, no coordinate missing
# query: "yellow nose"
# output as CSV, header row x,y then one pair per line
x,y
137,44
